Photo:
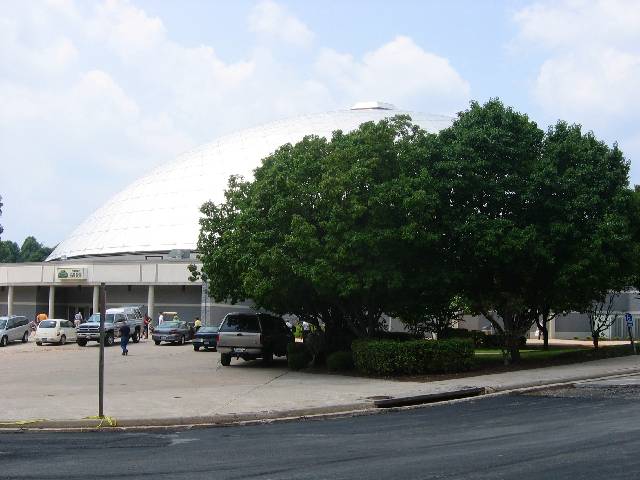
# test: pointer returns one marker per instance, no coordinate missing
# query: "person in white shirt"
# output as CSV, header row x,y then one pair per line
x,y
160,319
78,318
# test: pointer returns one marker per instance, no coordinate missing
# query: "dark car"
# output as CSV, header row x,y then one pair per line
x,y
206,337
174,331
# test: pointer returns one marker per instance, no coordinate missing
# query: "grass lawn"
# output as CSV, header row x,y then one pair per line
x,y
532,357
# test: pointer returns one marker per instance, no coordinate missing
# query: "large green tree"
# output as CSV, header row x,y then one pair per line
x,y
337,230
539,220
586,218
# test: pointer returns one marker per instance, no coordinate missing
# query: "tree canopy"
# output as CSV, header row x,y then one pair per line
x,y
31,251
492,213
329,229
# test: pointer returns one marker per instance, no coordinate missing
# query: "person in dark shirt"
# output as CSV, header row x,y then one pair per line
x,y
125,331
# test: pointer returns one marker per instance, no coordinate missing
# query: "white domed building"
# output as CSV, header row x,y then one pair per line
x,y
140,242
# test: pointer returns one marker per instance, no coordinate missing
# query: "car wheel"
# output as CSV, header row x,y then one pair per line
x,y
38,343
136,337
109,340
82,343
197,347
4,341
157,342
25,337
225,359
181,342
63,340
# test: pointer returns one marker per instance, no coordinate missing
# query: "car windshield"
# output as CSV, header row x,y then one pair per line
x,y
170,325
48,324
3,324
208,330
95,318
241,323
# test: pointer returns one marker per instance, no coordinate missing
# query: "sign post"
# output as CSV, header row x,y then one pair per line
x,y
103,301
628,318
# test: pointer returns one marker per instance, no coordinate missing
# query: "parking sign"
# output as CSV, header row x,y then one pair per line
x,y
629,319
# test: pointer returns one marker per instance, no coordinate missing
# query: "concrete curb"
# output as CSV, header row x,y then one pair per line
x,y
371,406
429,398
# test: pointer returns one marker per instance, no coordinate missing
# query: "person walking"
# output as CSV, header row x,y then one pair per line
x,y
125,331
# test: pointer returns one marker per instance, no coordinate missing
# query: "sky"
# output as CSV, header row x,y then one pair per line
x,y
94,94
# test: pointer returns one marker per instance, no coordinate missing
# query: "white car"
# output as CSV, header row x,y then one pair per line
x,y
55,330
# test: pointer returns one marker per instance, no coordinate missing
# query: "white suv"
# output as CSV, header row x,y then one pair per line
x,y
13,328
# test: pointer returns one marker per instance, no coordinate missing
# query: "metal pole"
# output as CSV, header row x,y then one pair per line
x,y
103,302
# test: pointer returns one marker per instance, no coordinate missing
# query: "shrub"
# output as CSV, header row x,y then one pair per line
x,y
497,341
340,361
398,336
298,356
298,361
388,357
296,347
477,336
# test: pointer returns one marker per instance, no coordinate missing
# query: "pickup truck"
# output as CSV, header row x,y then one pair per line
x,y
252,335
114,319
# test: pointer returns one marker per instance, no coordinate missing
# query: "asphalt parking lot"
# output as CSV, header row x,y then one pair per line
x,y
60,382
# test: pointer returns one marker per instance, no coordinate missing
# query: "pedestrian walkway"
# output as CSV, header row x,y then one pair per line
x,y
173,383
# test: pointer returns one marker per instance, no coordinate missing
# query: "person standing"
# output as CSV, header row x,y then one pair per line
x,y
78,319
125,332
145,330
197,324
160,318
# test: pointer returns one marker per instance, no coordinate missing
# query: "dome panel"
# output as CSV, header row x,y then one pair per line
x,y
160,211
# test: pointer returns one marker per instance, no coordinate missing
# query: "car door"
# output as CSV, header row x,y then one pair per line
x,y
24,327
11,329
120,319
70,331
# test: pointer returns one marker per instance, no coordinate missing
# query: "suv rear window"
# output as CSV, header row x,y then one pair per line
x,y
241,323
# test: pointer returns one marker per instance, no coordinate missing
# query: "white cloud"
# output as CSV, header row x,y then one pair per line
x,y
95,94
400,72
592,70
273,20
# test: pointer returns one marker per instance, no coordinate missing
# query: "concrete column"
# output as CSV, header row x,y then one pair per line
x,y
552,328
151,301
96,299
52,301
10,300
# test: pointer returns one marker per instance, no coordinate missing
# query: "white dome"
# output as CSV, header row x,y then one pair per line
x,y
160,211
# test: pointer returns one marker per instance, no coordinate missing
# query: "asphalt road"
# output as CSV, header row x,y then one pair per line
x,y
522,437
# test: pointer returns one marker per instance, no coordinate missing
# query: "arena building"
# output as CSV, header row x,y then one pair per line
x,y
142,240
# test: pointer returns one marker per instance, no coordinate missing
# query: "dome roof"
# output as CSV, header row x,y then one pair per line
x,y
160,211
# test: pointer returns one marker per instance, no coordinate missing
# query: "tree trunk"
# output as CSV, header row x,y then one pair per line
x,y
514,353
545,337
596,338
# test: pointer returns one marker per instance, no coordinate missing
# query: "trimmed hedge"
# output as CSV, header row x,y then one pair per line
x,y
340,361
389,357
